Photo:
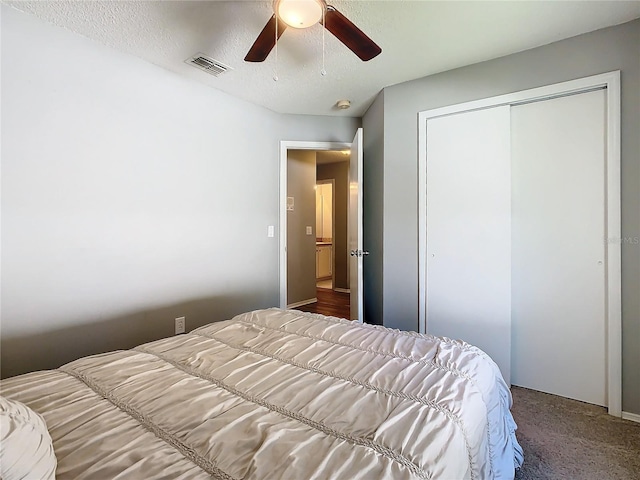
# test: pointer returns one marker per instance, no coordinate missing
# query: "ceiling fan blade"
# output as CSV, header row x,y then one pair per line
x,y
354,38
265,42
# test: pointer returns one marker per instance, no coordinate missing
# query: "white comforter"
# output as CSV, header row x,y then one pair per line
x,y
279,395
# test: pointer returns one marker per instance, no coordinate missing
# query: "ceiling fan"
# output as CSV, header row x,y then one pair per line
x,y
303,14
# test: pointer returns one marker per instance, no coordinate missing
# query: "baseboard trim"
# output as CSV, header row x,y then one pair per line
x,y
342,290
634,417
303,302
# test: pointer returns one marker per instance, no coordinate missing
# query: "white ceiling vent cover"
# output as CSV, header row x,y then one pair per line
x,y
208,64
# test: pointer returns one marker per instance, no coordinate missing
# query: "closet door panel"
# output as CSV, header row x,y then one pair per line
x,y
558,231
468,281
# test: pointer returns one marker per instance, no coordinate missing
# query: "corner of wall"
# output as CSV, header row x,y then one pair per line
x,y
373,204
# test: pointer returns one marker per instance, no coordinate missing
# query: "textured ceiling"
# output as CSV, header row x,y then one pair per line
x,y
418,38
332,156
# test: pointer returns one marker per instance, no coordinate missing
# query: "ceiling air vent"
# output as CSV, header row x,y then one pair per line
x,y
208,64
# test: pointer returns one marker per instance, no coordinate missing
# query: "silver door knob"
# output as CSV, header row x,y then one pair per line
x,y
364,252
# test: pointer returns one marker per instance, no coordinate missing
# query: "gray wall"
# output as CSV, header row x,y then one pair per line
x,y
301,248
373,206
339,172
615,48
130,196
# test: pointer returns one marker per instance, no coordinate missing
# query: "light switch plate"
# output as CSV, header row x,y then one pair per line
x,y
309,230
270,231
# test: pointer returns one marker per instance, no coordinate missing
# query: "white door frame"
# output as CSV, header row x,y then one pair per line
x,y
286,145
613,288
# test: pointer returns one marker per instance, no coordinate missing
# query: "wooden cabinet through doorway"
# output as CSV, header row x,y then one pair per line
x,y
323,261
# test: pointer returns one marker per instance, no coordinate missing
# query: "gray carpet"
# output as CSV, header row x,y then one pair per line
x,y
566,439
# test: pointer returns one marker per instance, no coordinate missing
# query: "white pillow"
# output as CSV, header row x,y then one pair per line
x,y
26,450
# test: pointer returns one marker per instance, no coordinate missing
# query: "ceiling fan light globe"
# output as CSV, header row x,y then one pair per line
x,y
299,13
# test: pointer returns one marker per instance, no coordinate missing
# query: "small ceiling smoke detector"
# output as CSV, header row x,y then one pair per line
x,y
343,104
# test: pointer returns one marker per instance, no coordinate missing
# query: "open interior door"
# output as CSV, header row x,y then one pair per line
x,y
355,228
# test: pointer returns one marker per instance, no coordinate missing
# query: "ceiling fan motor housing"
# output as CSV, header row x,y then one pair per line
x,y
303,14
299,13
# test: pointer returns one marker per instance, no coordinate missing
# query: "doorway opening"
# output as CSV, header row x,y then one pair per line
x,y
326,236
308,241
317,236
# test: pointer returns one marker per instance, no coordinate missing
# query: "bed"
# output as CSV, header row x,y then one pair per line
x,y
276,394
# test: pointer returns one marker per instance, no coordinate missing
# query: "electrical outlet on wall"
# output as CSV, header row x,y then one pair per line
x,y
180,325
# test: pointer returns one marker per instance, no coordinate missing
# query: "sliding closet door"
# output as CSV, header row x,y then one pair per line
x,y
558,228
468,284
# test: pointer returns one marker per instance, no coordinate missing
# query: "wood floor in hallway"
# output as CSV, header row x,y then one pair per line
x,y
331,303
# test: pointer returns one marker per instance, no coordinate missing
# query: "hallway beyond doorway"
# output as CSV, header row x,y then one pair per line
x,y
330,303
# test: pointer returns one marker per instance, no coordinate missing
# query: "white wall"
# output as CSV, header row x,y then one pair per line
x,y
130,196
